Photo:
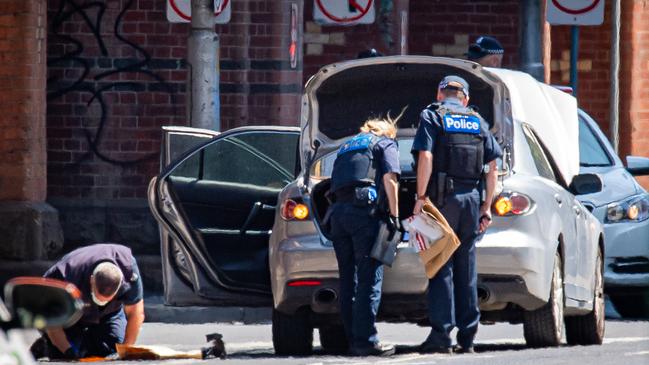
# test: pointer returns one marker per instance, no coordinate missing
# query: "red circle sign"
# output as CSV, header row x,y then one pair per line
x,y
575,11
362,11
187,16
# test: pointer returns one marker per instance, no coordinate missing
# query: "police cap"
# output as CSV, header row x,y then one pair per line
x,y
452,82
484,46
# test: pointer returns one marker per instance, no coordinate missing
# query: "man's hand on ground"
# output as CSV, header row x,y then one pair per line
x,y
70,354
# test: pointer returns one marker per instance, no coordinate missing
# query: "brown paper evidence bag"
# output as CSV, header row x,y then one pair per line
x,y
440,251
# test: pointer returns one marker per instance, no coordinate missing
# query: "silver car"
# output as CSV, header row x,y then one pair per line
x,y
240,214
623,207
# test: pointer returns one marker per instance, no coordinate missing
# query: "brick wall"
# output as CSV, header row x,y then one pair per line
x,y
446,28
22,100
594,74
325,44
117,73
634,81
593,66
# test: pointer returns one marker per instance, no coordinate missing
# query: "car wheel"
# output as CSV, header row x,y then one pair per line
x,y
589,329
292,334
543,327
333,339
632,305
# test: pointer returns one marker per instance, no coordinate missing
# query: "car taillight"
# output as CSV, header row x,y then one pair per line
x,y
294,210
511,204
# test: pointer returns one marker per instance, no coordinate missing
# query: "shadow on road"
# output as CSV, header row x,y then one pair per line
x,y
401,350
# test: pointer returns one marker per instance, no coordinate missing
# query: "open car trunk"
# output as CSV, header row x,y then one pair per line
x,y
407,191
340,97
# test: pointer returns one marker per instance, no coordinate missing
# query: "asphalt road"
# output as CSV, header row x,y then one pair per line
x,y
627,342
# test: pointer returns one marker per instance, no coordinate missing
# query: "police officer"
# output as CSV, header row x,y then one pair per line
x,y
366,170
452,147
109,280
486,51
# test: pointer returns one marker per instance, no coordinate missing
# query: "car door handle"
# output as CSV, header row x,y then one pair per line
x,y
253,213
557,198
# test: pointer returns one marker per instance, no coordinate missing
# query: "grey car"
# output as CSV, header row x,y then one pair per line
x,y
240,213
623,208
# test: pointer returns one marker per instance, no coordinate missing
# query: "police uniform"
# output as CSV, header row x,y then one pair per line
x,y
461,145
356,182
99,328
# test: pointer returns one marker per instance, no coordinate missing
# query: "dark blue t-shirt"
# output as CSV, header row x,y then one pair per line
x,y
77,266
386,151
430,127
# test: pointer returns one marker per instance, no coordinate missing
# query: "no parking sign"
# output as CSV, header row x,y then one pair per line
x,y
180,11
344,12
576,12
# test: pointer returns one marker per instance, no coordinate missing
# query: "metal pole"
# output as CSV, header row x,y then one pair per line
x,y
202,47
531,45
574,54
614,121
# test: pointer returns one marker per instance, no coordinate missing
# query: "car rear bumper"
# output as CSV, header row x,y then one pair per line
x,y
298,259
513,267
508,273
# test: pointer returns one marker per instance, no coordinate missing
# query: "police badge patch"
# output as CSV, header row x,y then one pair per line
x,y
461,123
359,142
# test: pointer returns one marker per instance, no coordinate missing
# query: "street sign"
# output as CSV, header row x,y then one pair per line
x,y
575,12
180,11
343,12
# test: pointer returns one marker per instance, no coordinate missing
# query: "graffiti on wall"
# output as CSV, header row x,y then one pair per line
x,y
92,14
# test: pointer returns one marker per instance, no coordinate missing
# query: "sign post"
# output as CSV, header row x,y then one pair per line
x,y
575,13
344,12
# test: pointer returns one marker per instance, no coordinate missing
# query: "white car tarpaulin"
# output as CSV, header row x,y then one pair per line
x,y
551,112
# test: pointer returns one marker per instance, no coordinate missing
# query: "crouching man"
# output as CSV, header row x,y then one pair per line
x,y
109,280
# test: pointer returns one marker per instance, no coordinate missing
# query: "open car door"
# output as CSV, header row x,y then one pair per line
x,y
215,205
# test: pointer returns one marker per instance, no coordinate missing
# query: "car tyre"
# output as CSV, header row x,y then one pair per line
x,y
543,327
632,305
333,339
292,334
589,329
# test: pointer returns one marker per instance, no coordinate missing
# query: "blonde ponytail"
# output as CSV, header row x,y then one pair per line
x,y
383,127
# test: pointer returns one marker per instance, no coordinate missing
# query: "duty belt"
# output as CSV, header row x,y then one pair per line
x,y
345,195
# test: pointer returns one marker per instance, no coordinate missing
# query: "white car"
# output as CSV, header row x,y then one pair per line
x,y
240,212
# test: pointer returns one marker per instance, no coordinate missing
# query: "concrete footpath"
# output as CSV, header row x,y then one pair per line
x,y
156,311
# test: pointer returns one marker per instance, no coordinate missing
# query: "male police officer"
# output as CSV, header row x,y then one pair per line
x,y
366,167
451,147
109,280
486,51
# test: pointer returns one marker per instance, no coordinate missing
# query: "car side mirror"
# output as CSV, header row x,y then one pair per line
x,y
583,184
637,166
40,302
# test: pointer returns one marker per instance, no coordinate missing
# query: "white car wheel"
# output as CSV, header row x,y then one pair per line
x,y
589,329
543,327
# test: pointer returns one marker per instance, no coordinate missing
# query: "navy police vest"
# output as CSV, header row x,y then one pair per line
x,y
459,148
77,266
355,165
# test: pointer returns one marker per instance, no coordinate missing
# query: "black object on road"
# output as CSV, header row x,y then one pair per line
x,y
217,349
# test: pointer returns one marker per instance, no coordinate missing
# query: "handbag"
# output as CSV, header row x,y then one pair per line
x,y
385,245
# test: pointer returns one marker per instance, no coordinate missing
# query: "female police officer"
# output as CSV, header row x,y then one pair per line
x,y
367,166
